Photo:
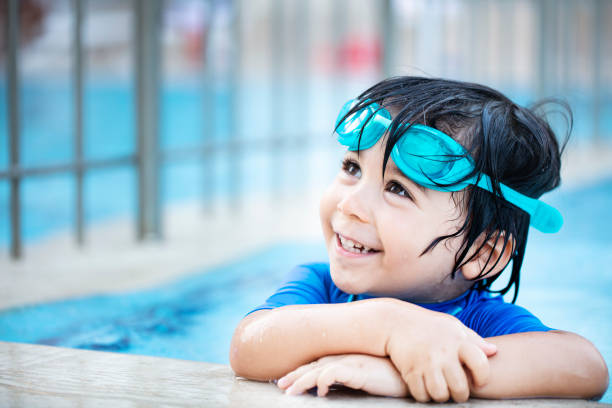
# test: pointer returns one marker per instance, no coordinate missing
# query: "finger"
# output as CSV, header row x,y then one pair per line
x,y
476,361
435,383
488,348
304,383
337,373
288,379
325,380
457,382
331,359
416,386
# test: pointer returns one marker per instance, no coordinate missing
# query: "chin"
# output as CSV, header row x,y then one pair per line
x,y
345,281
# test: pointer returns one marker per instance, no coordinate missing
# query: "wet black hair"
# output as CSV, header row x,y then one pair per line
x,y
512,144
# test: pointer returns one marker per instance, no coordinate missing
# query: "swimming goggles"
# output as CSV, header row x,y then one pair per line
x,y
433,159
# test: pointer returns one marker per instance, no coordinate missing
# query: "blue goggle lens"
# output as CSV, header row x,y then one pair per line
x,y
432,159
373,120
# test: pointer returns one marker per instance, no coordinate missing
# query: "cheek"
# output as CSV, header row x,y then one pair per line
x,y
405,236
401,236
326,209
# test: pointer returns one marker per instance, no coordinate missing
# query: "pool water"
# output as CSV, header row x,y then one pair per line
x,y
192,318
566,282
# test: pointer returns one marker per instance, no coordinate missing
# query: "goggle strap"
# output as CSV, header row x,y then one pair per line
x,y
543,217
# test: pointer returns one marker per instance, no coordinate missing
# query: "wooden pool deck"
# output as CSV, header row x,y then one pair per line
x,y
44,376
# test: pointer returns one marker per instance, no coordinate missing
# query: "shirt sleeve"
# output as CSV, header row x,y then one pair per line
x,y
306,284
493,317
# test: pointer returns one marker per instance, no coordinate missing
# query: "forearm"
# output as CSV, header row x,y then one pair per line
x,y
269,344
540,364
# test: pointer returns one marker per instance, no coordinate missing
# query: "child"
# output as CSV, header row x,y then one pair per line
x,y
434,199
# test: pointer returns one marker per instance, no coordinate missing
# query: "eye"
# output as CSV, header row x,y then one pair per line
x,y
351,168
396,188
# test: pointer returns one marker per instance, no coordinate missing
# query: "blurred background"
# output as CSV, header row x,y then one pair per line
x,y
123,109
145,140
203,128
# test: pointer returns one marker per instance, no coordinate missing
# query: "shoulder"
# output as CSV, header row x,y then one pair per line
x,y
317,274
316,277
490,315
305,284
320,269
309,283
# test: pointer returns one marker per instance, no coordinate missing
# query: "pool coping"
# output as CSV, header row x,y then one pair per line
x,y
36,375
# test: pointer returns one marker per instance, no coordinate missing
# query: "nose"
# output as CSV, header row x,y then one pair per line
x,y
354,204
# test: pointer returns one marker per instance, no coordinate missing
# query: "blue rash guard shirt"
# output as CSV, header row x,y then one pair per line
x,y
487,315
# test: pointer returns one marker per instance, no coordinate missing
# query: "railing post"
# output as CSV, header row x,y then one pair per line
x,y
300,85
545,10
12,74
208,112
598,30
77,56
388,28
235,168
147,14
278,59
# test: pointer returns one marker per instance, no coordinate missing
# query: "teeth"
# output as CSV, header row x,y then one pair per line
x,y
354,247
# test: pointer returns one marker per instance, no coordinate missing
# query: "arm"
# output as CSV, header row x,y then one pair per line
x,y
269,344
374,375
538,364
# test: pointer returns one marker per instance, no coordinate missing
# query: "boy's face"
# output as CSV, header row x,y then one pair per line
x,y
376,228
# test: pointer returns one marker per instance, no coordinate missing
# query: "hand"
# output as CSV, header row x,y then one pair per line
x,y
430,350
375,375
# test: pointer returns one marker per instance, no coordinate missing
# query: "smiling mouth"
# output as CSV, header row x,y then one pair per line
x,y
353,246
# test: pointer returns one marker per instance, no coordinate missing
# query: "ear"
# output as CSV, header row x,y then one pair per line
x,y
492,251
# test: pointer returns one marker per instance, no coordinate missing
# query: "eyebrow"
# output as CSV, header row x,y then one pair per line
x,y
395,171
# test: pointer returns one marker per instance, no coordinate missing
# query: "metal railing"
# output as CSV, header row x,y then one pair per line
x,y
12,71
148,157
144,160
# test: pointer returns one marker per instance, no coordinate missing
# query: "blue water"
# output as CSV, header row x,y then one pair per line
x,y
565,281
192,318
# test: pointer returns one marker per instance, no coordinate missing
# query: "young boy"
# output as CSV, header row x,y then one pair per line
x,y
434,199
